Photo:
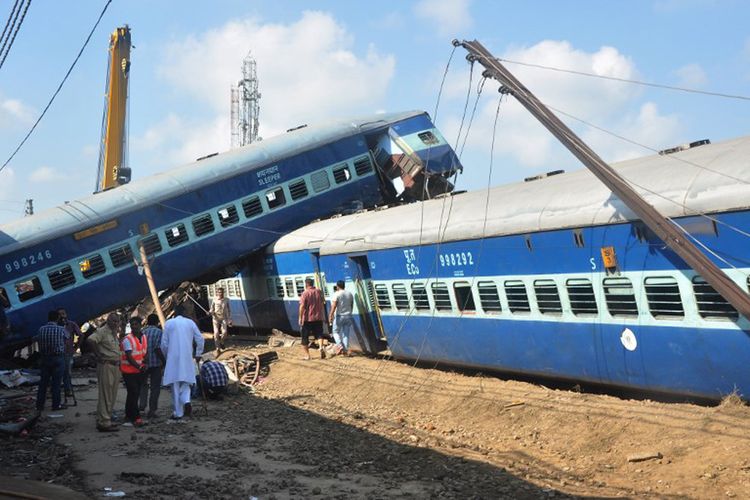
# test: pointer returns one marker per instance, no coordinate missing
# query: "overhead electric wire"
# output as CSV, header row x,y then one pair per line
x,y
627,80
59,87
10,16
14,15
15,32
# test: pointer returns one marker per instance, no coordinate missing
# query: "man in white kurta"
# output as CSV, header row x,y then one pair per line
x,y
177,345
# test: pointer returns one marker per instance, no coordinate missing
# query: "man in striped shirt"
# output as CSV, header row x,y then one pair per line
x,y
155,370
51,341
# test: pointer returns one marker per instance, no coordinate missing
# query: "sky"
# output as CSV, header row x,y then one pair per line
x,y
320,60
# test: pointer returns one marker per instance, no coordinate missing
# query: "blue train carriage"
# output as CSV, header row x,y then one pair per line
x,y
556,277
195,219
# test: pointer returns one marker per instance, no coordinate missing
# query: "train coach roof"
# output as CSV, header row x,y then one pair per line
x,y
101,207
708,178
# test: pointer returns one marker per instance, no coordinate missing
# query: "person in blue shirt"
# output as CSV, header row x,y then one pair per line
x,y
51,340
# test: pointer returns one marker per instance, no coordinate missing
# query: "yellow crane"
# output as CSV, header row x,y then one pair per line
x,y
113,153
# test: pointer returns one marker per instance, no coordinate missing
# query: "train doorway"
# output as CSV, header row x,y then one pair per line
x,y
369,332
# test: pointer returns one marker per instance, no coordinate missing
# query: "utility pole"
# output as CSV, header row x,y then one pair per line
x,y
664,228
29,208
245,105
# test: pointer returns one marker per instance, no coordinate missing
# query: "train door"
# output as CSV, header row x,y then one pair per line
x,y
369,333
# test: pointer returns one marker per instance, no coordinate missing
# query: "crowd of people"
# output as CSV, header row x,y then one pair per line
x,y
146,358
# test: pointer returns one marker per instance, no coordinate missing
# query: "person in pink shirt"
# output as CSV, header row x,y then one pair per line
x,y
311,314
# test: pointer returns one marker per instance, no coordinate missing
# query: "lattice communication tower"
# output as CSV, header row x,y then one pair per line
x,y
245,105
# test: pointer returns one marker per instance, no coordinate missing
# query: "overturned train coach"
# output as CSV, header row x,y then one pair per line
x,y
555,277
85,255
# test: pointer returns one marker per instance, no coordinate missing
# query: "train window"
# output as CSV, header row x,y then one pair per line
x,y
270,287
362,166
384,300
428,138
711,305
289,284
176,235
151,244
488,297
341,174
203,224
279,288
441,297
518,298
419,294
275,198
228,216
320,181
582,299
663,296
252,207
121,255
578,238
620,297
28,289
211,290
464,297
60,278
91,266
298,189
547,297
299,284
400,297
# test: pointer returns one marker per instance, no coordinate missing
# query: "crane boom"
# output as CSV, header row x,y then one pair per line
x,y
113,170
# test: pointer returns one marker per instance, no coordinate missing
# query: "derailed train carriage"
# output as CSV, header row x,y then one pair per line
x,y
193,220
554,277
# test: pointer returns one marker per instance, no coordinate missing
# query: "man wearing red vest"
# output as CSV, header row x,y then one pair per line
x,y
133,367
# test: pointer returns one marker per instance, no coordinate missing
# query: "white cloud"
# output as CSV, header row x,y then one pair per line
x,y
45,174
307,71
450,16
13,113
608,104
692,75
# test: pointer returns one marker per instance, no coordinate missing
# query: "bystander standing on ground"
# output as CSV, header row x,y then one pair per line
x,y
156,361
106,346
74,332
214,379
311,315
177,345
340,317
51,341
133,366
221,314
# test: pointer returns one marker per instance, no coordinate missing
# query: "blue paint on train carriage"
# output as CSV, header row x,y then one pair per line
x,y
200,217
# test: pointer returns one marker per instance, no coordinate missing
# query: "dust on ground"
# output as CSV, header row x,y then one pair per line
x,y
369,428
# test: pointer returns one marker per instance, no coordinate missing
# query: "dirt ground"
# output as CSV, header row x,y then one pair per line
x,y
369,428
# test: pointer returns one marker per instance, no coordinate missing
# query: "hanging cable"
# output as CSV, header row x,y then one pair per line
x,y
14,14
626,80
13,11
59,87
13,39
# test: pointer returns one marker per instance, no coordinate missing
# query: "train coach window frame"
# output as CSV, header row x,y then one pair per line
x,y
27,294
547,296
203,224
298,189
441,297
320,181
299,286
464,297
341,174
420,297
228,215
121,255
60,278
663,297
518,296
252,207
289,286
582,297
711,305
279,288
400,297
176,235
619,302
428,138
489,297
275,198
362,166
151,244
91,266
382,296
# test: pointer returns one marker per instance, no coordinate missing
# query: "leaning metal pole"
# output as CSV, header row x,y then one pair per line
x,y
661,226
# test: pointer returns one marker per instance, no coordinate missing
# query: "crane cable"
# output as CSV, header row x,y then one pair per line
x,y
15,32
59,87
